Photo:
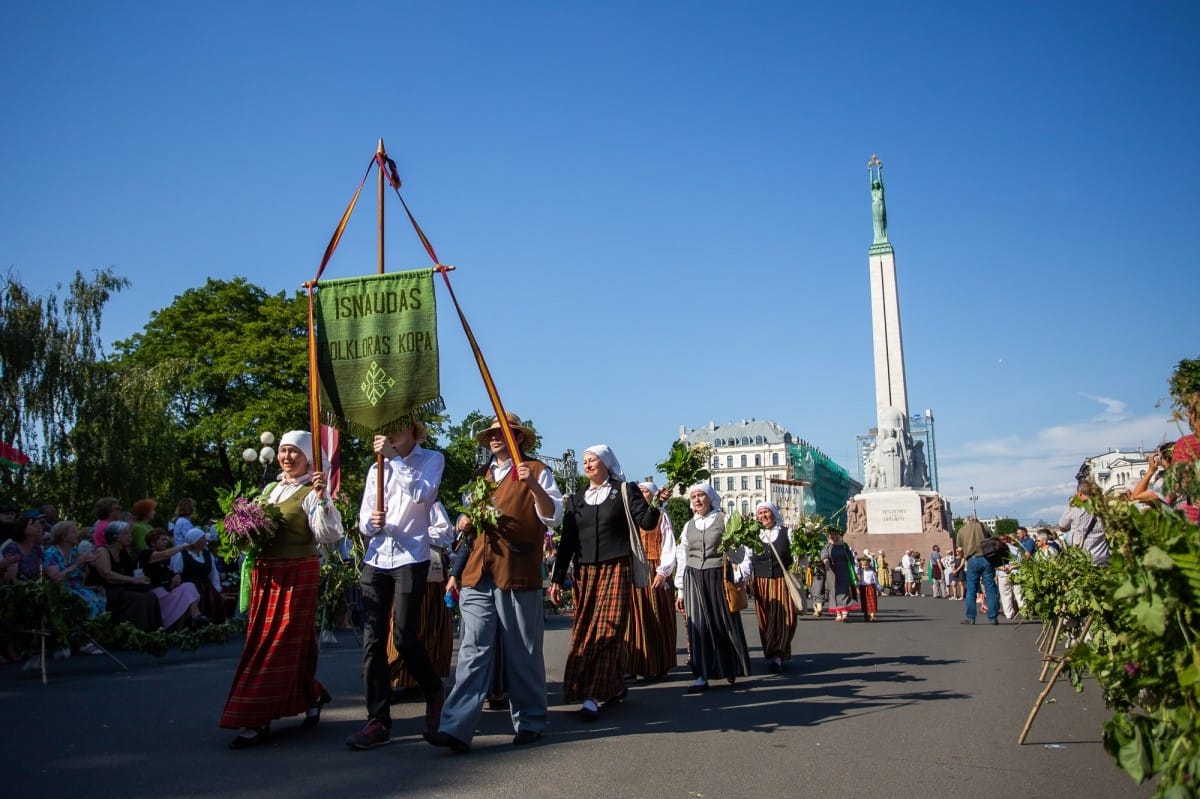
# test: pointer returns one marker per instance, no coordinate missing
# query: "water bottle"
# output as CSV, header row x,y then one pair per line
x,y
451,598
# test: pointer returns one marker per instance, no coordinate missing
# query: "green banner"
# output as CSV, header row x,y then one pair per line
x,y
377,352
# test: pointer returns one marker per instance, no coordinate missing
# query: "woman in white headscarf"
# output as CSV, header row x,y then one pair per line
x,y
651,636
772,603
596,537
277,675
715,635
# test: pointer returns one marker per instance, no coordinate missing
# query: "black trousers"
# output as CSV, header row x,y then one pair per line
x,y
395,595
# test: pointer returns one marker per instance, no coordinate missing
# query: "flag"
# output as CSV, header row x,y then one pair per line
x,y
12,457
331,442
377,351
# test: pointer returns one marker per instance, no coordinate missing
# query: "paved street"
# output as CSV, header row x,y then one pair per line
x,y
915,705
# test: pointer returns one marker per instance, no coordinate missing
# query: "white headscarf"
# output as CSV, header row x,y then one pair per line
x,y
713,496
301,440
606,456
193,535
771,507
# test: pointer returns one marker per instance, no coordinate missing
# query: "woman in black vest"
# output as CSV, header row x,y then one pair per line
x,y
596,536
772,603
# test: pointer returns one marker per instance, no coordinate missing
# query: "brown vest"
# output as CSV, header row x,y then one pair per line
x,y
512,554
652,541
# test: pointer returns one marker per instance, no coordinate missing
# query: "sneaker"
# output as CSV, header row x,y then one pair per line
x,y
90,649
62,654
370,736
33,664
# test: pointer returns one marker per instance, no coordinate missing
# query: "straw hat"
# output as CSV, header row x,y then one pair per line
x,y
514,422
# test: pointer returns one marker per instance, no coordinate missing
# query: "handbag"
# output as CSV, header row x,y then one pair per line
x,y
641,567
789,580
735,595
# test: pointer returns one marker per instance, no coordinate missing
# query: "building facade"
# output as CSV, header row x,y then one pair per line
x,y
754,460
1116,471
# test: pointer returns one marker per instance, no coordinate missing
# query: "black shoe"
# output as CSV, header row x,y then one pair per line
x,y
373,734
258,735
774,667
697,689
497,701
618,699
313,716
446,741
588,713
199,621
994,621
526,737
967,621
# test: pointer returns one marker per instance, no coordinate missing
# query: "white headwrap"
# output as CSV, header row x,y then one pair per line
x,y
771,507
609,460
193,535
713,496
301,440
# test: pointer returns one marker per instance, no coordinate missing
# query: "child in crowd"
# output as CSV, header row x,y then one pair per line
x,y
868,588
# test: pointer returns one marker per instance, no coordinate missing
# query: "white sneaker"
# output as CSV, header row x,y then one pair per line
x,y
33,664
62,654
90,649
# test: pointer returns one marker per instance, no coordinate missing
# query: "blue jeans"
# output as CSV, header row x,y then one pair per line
x,y
978,568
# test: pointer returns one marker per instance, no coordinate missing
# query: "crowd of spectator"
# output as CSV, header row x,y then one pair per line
x,y
121,563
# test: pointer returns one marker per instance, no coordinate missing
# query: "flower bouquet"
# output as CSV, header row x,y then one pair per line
x,y
478,506
247,524
741,531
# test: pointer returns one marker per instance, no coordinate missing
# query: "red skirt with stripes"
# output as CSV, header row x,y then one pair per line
x,y
603,596
277,673
776,616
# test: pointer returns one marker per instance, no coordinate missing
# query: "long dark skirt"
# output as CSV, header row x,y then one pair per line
x,y
435,633
603,596
139,608
650,641
277,675
776,617
715,635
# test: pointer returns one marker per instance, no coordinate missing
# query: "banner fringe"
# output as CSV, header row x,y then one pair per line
x,y
421,413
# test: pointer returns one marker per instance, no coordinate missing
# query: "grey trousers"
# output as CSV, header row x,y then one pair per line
x,y
518,617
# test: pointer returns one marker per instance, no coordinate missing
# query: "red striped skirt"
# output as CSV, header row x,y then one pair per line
x,y
435,633
277,673
650,640
870,599
603,596
776,616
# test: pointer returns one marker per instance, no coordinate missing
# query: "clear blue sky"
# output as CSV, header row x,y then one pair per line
x,y
669,198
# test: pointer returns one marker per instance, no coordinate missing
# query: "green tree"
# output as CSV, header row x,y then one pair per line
x,y
52,374
679,512
239,365
1007,526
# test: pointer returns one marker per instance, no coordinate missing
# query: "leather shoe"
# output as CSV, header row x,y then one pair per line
x,y
588,712
259,735
526,737
313,717
697,689
966,621
446,741
994,621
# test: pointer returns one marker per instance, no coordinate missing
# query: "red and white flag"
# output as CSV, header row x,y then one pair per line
x,y
331,446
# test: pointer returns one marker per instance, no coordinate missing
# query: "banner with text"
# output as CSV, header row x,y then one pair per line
x,y
377,352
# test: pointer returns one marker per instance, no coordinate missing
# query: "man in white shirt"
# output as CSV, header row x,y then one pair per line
x,y
394,575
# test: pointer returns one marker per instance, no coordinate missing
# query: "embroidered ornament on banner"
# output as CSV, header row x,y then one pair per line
x,y
377,352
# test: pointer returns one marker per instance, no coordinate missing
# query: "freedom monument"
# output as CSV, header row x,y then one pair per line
x,y
898,508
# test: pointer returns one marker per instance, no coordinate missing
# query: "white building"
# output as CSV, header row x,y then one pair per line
x,y
1116,471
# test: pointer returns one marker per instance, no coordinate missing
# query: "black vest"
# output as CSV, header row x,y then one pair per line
x,y
195,571
765,565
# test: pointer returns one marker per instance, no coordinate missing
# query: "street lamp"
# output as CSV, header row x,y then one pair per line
x,y
265,455
973,497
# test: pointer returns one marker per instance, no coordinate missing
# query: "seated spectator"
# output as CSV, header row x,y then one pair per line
x,y
176,599
197,565
64,562
182,522
143,515
107,511
126,588
22,556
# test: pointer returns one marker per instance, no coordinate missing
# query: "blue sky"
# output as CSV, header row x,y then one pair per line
x,y
659,211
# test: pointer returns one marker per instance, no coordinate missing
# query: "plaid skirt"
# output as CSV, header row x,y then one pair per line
x,y
276,676
650,640
776,616
603,596
435,633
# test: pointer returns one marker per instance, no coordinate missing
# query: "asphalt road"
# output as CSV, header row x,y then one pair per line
x,y
915,705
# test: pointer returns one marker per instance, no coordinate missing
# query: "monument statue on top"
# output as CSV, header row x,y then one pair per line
x,y
878,206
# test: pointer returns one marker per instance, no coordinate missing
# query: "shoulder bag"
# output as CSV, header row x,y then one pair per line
x,y
641,567
735,595
789,579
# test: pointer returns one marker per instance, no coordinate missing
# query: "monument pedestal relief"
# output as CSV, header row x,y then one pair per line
x,y
898,508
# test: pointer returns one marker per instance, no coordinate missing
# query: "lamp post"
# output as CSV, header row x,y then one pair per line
x,y
265,455
973,497
482,453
